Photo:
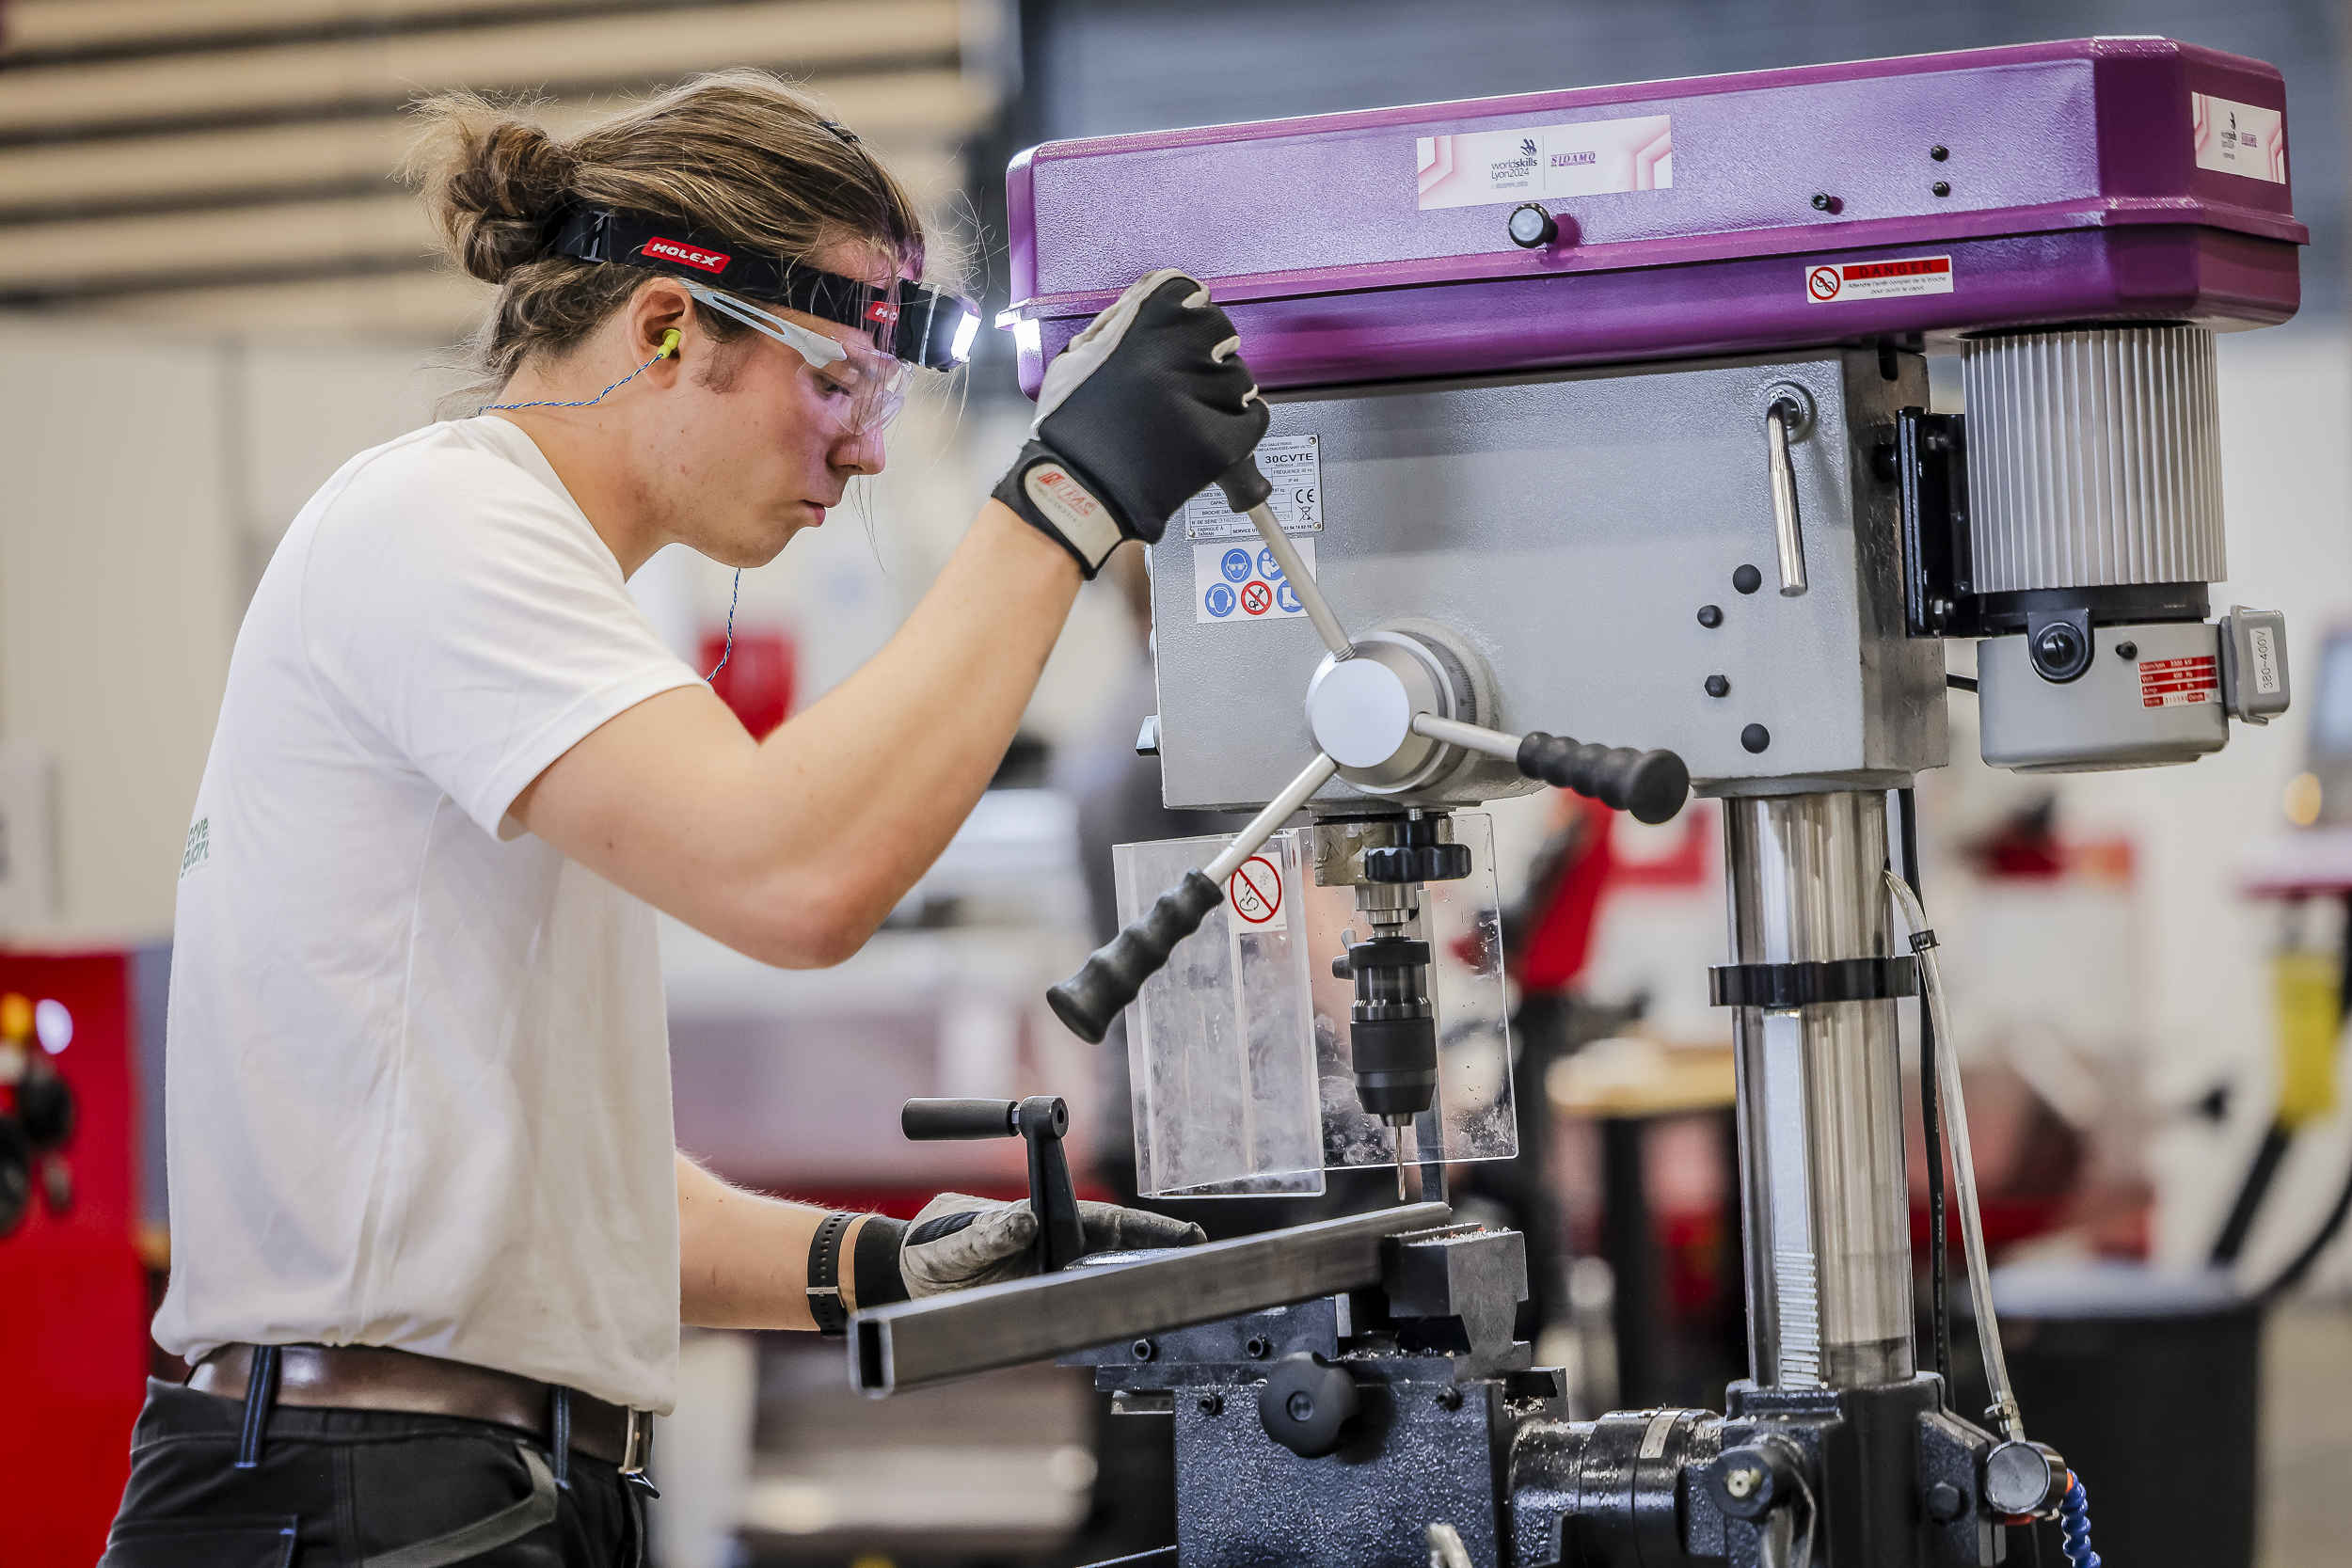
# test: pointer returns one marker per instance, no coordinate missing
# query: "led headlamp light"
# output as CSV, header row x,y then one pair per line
x,y
916,324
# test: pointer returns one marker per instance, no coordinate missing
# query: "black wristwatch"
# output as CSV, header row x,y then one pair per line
x,y
824,1275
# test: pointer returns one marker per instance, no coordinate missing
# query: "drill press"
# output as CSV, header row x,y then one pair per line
x,y
1576,378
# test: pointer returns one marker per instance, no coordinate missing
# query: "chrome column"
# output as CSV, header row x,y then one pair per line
x,y
1825,1206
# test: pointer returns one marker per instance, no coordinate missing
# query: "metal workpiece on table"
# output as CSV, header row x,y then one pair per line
x,y
1559,533
908,1345
1825,1203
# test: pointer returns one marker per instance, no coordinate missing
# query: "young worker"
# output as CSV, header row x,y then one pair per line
x,y
432,1238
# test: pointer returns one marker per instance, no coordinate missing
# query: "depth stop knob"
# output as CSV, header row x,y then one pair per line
x,y
1304,1403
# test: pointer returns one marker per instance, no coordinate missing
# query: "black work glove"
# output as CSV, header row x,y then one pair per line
x,y
959,1241
1145,408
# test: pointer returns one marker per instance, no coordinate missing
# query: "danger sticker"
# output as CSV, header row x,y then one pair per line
x,y
2180,682
1255,892
1839,282
1239,581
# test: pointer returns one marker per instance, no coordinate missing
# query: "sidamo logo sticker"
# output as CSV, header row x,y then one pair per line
x,y
685,255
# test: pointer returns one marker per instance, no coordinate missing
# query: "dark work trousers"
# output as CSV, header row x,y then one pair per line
x,y
360,1489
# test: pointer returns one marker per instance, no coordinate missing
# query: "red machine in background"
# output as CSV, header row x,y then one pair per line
x,y
73,1290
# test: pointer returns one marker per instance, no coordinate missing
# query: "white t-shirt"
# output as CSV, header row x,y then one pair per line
x,y
418,1090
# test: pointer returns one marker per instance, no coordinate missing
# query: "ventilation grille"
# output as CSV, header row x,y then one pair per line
x,y
2093,458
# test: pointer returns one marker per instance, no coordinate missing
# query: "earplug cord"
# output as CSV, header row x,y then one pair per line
x,y
669,346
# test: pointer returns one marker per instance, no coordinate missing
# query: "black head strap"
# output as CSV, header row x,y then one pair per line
x,y
920,325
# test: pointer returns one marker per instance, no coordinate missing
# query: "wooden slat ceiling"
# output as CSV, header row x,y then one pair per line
x,y
194,160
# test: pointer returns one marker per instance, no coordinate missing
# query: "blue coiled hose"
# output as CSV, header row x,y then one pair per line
x,y
2074,1519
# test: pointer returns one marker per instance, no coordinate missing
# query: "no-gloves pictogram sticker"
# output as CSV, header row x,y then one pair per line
x,y
1257,598
1825,282
1256,891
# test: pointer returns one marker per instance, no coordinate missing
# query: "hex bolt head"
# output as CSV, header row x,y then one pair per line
x,y
1449,1398
1942,187
1747,579
1939,152
1711,616
1212,1404
1718,686
1143,1350
1256,1347
1945,1502
1756,737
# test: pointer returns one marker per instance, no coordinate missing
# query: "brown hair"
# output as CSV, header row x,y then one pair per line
x,y
738,153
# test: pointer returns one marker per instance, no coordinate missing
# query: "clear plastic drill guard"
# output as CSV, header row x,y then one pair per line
x,y
1239,1047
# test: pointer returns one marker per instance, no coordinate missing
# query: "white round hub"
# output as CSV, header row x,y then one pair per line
x,y
1359,712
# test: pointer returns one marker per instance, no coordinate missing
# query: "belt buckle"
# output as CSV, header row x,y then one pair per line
x,y
636,1445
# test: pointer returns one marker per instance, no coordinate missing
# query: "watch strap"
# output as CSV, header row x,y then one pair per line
x,y
824,1275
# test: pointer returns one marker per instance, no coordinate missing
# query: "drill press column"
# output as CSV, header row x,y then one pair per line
x,y
1825,1208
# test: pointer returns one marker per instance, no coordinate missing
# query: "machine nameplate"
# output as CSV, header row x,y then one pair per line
x,y
2239,138
1592,157
1293,465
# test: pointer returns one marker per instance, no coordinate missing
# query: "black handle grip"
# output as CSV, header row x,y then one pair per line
x,y
1650,784
928,1120
1244,485
1115,972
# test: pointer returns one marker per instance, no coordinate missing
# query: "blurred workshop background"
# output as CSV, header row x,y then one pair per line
x,y
213,290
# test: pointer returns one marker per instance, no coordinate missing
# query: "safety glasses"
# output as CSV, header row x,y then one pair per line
x,y
860,387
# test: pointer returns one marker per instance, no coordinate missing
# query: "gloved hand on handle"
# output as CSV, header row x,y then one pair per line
x,y
959,1241
1145,407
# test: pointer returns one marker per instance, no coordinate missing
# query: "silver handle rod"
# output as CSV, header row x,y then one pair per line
x,y
1263,826
1302,582
1787,527
1470,737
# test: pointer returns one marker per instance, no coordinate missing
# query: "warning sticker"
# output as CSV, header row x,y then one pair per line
x,y
2180,682
1293,465
1241,581
1255,892
1837,282
2239,138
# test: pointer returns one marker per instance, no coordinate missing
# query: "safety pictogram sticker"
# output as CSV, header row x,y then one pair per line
x,y
1237,584
1255,892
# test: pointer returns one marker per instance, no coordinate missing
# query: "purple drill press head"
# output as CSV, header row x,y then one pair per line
x,y
1909,200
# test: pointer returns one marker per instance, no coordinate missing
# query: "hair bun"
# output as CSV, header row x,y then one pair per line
x,y
493,183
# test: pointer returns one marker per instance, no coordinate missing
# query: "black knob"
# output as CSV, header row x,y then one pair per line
x,y
1418,863
1532,227
2059,650
1305,1402
1747,579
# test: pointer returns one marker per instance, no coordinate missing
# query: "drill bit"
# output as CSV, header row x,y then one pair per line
x,y
1396,1136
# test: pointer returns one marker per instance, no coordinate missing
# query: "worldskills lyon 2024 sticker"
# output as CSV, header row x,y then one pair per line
x,y
1237,581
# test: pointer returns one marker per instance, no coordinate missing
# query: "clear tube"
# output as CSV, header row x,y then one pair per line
x,y
2003,1409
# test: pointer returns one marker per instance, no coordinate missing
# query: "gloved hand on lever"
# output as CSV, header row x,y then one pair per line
x,y
1145,408
959,1241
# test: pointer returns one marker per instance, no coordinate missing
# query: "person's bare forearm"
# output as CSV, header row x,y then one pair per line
x,y
893,759
744,1257
793,849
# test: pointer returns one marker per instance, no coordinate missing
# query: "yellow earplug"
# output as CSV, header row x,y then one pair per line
x,y
669,344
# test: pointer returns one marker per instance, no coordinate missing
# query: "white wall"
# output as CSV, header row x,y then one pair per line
x,y
150,474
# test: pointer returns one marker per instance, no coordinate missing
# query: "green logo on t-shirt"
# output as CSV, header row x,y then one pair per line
x,y
199,850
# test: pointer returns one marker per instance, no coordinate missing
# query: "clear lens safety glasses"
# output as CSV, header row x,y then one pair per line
x,y
861,388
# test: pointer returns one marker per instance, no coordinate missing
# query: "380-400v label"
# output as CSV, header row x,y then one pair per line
x,y
1839,282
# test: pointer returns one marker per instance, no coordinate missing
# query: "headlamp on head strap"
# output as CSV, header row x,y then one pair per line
x,y
918,324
